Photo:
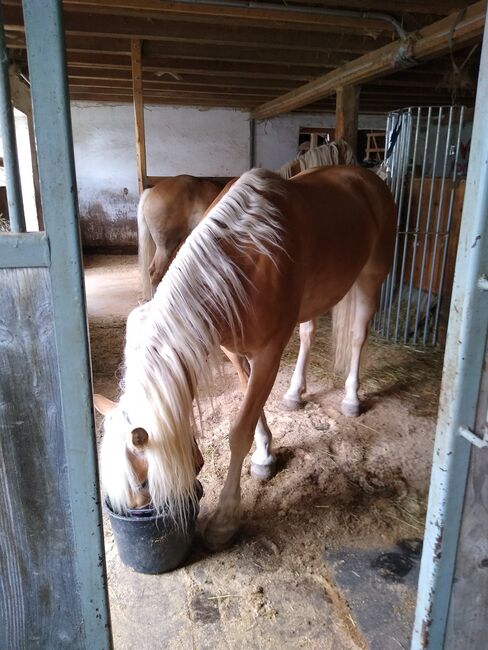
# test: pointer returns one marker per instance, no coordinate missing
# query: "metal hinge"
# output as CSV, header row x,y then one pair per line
x,y
471,437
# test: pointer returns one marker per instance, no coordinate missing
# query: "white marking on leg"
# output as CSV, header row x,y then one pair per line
x,y
262,437
298,384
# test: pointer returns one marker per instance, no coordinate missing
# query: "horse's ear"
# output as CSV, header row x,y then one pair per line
x,y
103,404
139,437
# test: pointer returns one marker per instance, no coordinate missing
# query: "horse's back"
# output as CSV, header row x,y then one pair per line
x,y
345,183
344,201
344,222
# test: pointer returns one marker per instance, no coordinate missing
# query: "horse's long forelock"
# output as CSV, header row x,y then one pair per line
x,y
180,340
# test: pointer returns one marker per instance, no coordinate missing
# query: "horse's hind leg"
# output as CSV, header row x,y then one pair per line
x,y
263,461
293,397
225,521
366,293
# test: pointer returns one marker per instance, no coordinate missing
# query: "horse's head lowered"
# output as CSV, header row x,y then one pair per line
x,y
124,457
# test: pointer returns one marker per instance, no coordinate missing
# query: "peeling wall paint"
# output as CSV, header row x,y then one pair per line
x,y
179,140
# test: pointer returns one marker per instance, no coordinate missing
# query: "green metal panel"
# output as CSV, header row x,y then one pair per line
x,y
26,250
47,69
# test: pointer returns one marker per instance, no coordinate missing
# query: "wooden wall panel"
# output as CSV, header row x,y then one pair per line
x,y
433,263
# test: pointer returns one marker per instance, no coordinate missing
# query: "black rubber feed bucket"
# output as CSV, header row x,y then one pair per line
x,y
151,543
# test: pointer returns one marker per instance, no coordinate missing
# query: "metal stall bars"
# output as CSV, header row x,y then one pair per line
x,y
422,160
53,590
452,608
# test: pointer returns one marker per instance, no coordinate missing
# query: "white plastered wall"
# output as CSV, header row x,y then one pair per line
x,y
179,140
25,170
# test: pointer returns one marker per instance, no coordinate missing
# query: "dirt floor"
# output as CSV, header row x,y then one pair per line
x,y
341,482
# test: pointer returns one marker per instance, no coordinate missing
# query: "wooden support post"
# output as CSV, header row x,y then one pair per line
x,y
136,55
347,108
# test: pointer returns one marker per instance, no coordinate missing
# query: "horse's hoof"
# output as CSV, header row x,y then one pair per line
x,y
216,538
292,403
350,409
263,472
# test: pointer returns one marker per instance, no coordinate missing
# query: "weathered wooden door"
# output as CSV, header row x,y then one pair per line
x,y
52,587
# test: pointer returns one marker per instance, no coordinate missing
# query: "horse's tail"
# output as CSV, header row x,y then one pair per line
x,y
146,248
343,315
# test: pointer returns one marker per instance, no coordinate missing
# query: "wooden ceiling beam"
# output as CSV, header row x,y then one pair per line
x,y
102,52
154,8
174,101
93,76
431,41
219,68
113,69
177,91
88,44
231,52
214,69
240,54
160,29
181,92
223,68
440,7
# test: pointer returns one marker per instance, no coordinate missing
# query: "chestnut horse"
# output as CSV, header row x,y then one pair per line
x,y
269,254
166,215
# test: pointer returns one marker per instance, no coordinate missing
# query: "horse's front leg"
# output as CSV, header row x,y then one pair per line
x,y
293,397
225,521
263,461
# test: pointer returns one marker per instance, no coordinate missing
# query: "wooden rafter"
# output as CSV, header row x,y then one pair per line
x,y
252,14
430,42
194,53
173,32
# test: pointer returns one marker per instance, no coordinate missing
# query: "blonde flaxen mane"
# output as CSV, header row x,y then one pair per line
x,y
172,344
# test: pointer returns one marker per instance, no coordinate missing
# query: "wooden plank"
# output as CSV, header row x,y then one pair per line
x,y
431,41
228,50
202,91
160,26
39,607
441,7
360,24
97,76
347,111
139,113
238,104
467,622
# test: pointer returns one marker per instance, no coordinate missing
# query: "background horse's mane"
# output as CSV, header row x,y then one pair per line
x,y
179,344
338,152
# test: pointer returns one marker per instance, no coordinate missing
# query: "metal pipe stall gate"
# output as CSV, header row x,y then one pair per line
x,y
52,588
422,161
